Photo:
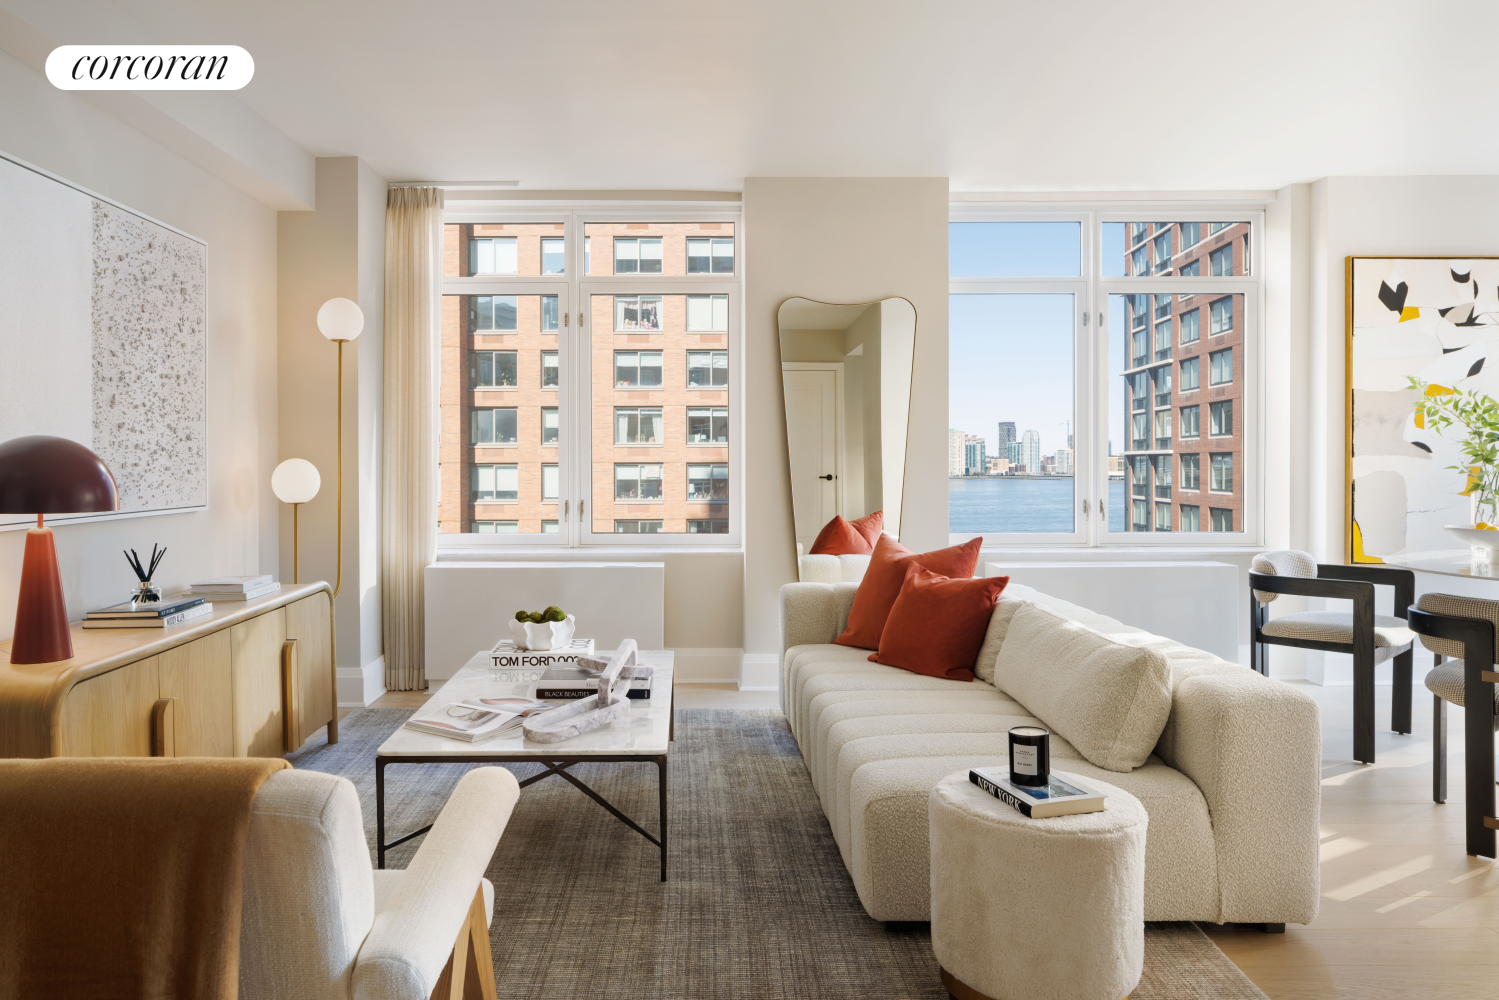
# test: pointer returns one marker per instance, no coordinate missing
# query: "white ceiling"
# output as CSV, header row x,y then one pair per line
x,y
995,94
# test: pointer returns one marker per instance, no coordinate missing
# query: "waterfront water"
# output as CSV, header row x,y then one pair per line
x,y
980,506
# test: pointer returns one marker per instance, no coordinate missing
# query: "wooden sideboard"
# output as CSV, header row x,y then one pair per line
x,y
252,679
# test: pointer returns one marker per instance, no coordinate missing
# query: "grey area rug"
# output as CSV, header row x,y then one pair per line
x,y
759,904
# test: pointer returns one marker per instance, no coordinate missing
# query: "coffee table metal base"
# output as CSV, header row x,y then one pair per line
x,y
557,764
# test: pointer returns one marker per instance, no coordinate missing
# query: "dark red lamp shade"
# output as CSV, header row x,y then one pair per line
x,y
48,475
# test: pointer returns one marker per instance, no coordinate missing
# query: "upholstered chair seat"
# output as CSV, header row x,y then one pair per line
x,y
1445,681
1391,635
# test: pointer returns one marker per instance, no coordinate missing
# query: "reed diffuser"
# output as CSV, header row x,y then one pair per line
x,y
147,591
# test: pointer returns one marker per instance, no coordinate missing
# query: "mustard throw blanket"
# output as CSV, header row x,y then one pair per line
x,y
120,877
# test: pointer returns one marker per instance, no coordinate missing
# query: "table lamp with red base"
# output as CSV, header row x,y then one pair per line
x,y
48,475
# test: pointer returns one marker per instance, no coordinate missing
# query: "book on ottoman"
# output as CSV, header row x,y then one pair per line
x,y
1055,798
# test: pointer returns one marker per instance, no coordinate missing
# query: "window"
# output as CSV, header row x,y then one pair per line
x,y
1014,249
549,483
637,482
1222,316
492,369
1221,261
1163,516
1162,379
1190,426
491,312
710,256
1139,384
496,527
707,313
1189,233
637,255
637,425
1191,326
1163,251
552,257
1163,340
1140,509
637,312
1141,478
1223,473
549,312
707,369
1140,432
1163,476
1190,270
549,369
1221,418
1139,261
637,369
1191,470
1163,428
1221,367
550,425
495,483
1139,348
709,526
707,425
1214,228
492,426
549,528
1223,520
637,527
1191,374
708,483
1191,517
493,255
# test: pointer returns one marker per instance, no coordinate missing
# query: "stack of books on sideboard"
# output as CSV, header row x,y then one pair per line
x,y
157,614
236,588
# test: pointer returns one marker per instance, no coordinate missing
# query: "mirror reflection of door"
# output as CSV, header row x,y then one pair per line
x,y
813,401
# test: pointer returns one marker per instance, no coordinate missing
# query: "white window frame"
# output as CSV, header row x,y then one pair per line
x,y
1092,387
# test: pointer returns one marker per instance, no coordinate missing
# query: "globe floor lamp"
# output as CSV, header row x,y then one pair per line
x,y
42,475
340,320
295,481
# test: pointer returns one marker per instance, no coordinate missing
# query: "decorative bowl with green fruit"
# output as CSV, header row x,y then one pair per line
x,y
542,630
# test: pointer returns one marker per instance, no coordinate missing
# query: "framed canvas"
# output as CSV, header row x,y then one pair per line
x,y
1434,319
104,339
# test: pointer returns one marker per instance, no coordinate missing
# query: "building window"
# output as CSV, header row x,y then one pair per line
x,y
1191,374
1139,261
494,425
1162,307
637,369
637,482
549,378
495,482
1163,428
1223,520
1163,516
488,313
708,526
492,255
1214,228
491,369
1221,261
636,527
637,255
1191,472
710,256
637,312
1163,340
549,313
552,257
707,313
1138,231
1191,326
1163,477
1140,480
1221,367
1221,418
1191,517
707,369
637,425
708,483
1139,384
549,483
1140,511
1139,347
1223,473
550,528
1189,233
496,527
1139,432
1162,378
707,425
550,425
1192,270
1190,427
1221,318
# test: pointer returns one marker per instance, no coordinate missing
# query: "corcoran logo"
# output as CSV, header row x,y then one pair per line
x,y
149,67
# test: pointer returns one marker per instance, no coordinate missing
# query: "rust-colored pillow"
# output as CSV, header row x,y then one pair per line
x,y
870,526
882,582
840,538
937,624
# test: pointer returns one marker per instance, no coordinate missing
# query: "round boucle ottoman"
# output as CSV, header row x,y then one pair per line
x,y
1036,908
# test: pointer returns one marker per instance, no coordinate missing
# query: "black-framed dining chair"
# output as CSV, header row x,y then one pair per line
x,y
1464,627
1371,638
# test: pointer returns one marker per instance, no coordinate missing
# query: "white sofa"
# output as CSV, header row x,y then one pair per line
x,y
1232,788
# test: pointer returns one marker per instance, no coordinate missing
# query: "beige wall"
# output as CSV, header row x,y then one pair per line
x,y
899,226
237,534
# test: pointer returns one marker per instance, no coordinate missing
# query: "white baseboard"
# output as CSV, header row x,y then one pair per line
x,y
706,665
361,687
760,672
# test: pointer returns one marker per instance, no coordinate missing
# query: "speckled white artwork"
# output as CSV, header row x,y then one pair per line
x,y
150,365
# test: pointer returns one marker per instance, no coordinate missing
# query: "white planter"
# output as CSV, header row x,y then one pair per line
x,y
545,636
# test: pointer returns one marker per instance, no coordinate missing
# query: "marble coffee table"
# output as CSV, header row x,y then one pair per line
x,y
645,736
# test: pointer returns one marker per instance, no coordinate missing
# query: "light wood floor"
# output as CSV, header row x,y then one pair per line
x,y
1405,912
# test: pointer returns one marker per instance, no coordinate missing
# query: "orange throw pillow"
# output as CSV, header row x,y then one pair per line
x,y
882,582
938,624
839,538
870,526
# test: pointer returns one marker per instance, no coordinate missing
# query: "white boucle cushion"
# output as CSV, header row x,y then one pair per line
x,y
1108,699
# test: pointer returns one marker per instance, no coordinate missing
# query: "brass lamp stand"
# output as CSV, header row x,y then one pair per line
x,y
340,320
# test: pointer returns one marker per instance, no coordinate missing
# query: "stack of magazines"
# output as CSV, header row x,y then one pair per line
x,y
476,719
237,588
155,614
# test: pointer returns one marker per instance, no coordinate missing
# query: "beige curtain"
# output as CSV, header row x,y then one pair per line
x,y
408,530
